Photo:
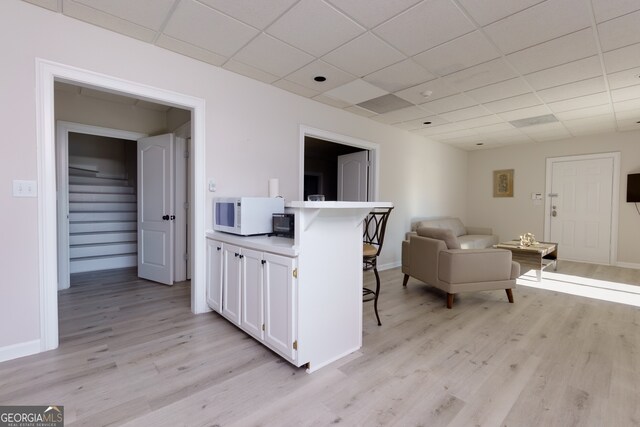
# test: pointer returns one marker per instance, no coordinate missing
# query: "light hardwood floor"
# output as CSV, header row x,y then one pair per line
x,y
132,353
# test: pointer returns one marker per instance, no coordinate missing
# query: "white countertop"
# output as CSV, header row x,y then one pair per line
x,y
273,244
338,205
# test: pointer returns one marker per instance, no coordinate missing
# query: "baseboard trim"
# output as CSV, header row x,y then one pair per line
x,y
628,265
20,350
389,265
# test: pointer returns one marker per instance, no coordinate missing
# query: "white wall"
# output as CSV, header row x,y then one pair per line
x,y
511,217
252,134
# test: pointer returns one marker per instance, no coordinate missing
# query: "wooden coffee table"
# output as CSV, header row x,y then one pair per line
x,y
535,257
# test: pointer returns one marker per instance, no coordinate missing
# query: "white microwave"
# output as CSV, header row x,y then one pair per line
x,y
246,215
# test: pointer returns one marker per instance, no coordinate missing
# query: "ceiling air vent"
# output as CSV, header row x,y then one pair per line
x,y
532,121
384,104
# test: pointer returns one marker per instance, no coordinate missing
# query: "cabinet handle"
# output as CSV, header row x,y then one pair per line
x,y
241,256
263,262
218,248
237,255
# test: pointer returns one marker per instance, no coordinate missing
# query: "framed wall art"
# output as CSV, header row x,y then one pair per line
x,y
503,183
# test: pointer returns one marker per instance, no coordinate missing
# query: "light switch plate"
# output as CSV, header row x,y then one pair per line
x,y
212,185
22,188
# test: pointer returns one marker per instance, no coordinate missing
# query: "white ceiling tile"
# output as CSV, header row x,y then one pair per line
x,y
315,27
571,47
573,90
370,13
513,103
190,50
628,115
481,75
628,125
623,58
335,77
551,136
419,123
424,26
487,11
458,54
249,71
590,125
583,113
608,9
204,27
620,32
581,69
333,102
402,115
255,13
364,55
273,56
625,94
108,21
47,4
481,122
555,127
148,13
523,113
501,90
631,104
508,135
459,136
437,130
399,76
450,103
624,78
466,113
295,88
579,102
414,94
356,92
539,23
360,111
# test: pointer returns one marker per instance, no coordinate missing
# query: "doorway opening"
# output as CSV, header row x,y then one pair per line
x,y
47,74
338,167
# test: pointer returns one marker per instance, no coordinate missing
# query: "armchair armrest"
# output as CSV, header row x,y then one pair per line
x,y
474,265
479,230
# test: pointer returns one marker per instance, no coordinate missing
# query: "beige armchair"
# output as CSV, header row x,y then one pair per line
x,y
426,256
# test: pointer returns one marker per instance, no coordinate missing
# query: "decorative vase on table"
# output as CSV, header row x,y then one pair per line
x,y
528,239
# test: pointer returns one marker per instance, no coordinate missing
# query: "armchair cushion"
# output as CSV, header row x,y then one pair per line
x,y
474,265
477,241
443,234
453,224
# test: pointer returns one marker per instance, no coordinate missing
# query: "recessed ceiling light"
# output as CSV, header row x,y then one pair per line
x,y
320,78
638,122
427,93
479,143
426,123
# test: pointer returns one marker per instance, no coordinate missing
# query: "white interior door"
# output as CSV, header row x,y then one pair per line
x,y
353,174
581,209
156,216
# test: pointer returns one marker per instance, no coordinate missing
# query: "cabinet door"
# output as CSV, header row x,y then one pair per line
x,y
279,309
214,275
231,296
252,292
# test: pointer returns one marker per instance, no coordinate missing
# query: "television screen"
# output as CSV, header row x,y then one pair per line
x,y
633,187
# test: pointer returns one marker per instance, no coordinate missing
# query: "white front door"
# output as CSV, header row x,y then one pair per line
x,y
156,208
353,174
580,208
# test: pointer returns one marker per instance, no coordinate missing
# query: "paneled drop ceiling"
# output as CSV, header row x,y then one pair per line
x,y
469,67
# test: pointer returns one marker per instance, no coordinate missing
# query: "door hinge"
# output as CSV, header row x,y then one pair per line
x,y
186,154
263,326
295,345
295,273
263,262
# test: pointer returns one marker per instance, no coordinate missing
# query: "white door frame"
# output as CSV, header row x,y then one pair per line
x,y
374,170
47,72
62,155
615,196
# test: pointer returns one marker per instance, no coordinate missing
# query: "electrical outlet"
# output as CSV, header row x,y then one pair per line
x,y
212,185
22,188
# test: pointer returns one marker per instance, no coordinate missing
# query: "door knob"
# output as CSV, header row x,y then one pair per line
x,y
172,217
554,213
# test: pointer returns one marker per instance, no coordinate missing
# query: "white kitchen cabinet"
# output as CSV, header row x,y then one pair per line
x,y
252,291
214,274
300,297
231,283
279,304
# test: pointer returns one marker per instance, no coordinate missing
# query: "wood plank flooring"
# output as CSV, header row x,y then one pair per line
x,y
131,353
